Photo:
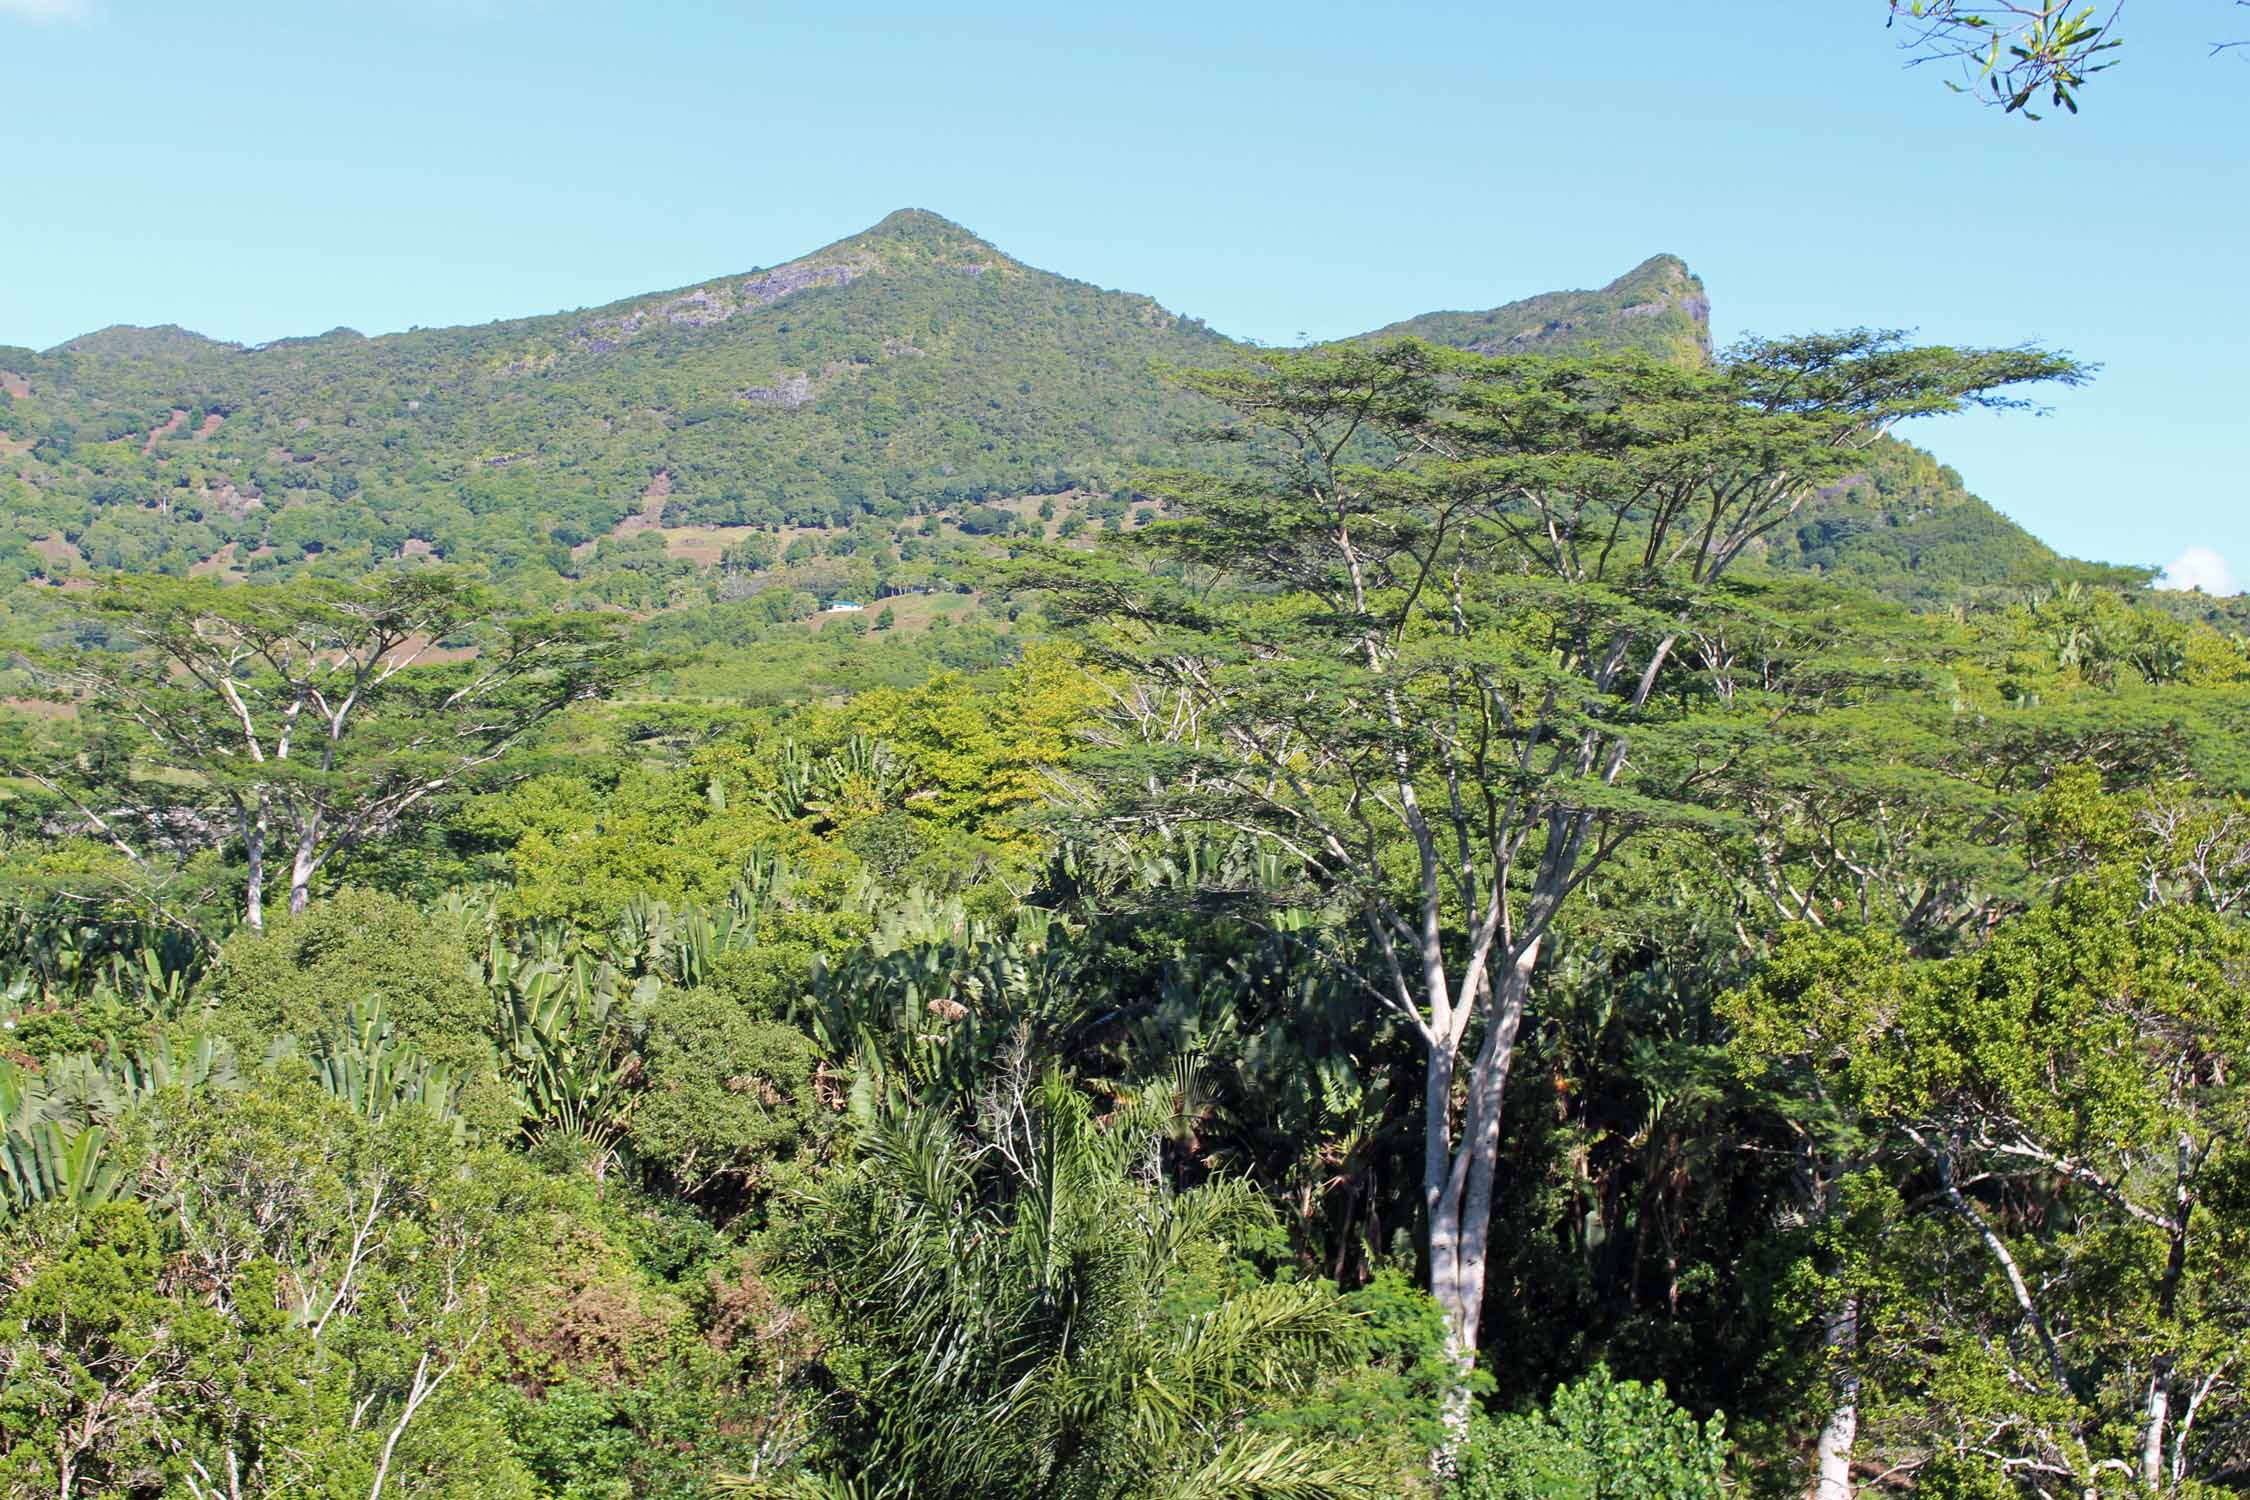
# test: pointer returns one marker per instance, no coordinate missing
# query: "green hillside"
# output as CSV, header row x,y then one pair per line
x,y
910,371
1908,528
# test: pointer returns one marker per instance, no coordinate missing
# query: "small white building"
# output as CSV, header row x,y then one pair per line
x,y
845,607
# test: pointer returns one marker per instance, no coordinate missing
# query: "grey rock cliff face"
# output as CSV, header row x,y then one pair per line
x,y
789,393
716,302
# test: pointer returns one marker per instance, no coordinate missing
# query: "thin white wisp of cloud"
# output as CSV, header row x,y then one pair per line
x,y
48,10
2200,568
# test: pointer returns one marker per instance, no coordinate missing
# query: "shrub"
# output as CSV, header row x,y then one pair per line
x,y
1598,1439
727,1096
302,975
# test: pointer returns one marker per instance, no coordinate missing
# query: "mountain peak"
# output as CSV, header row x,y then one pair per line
x,y
915,221
1663,268
923,232
1663,259
1658,307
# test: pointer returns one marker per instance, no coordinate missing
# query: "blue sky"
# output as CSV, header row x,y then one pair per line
x,y
253,170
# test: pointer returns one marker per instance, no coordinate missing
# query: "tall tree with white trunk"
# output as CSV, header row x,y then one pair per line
x,y
1456,631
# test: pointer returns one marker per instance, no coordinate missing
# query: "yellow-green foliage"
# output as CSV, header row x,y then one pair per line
x,y
986,751
580,851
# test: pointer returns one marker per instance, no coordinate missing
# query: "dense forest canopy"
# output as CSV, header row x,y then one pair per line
x,y
899,877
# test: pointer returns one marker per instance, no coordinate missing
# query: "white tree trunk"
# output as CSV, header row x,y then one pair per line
x,y
304,864
2159,1410
1457,1181
1840,1341
254,859
2152,1436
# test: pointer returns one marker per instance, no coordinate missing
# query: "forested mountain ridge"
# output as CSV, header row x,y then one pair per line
x,y
906,367
912,369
